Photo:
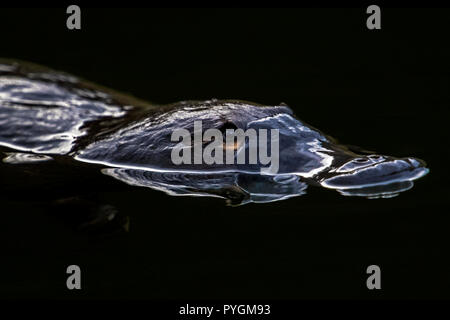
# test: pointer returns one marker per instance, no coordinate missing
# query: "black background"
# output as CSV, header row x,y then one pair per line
x,y
385,90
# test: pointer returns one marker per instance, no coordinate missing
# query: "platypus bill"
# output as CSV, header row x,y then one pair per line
x,y
47,115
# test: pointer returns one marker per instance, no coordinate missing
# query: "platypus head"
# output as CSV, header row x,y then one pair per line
x,y
233,149
191,139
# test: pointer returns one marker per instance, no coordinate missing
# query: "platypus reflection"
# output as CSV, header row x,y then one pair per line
x,y
44,113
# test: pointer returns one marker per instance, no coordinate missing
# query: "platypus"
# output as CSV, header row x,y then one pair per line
x,y
46,114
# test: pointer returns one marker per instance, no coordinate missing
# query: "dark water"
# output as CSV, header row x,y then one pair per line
x,y
386,91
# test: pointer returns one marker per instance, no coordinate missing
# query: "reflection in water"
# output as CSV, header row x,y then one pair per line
x,y
383,191
46,113
242,188
236,188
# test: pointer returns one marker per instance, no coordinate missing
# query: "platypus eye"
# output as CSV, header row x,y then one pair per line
x,y
227,125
